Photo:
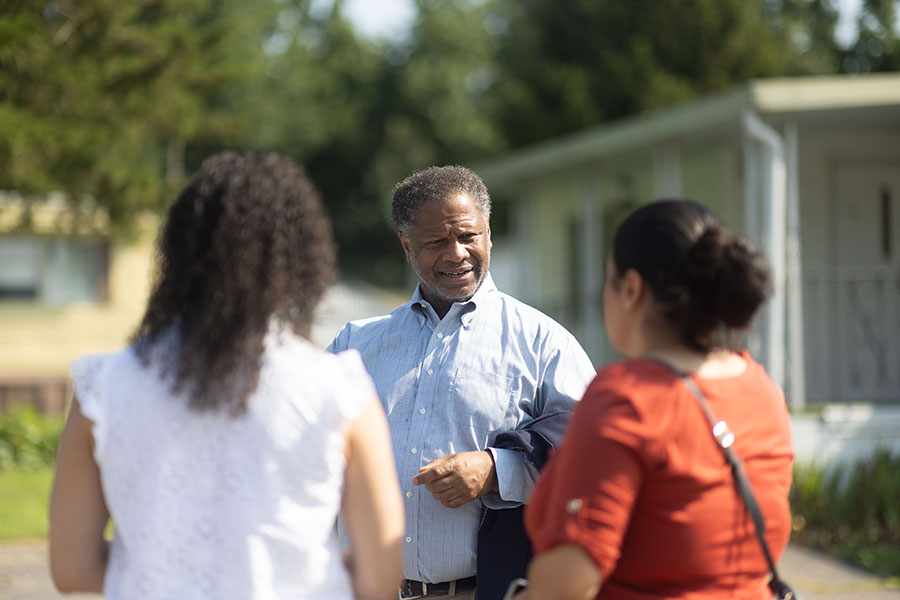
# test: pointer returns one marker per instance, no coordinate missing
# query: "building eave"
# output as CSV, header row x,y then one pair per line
x,y
716,111
792,95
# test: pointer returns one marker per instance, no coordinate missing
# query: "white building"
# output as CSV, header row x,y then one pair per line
x,y
810,167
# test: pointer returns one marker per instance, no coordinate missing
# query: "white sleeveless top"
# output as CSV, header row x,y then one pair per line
x,y
210,506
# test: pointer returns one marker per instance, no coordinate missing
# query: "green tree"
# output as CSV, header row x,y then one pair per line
x,y
316,95
806,29
566,65
112,101
878,46
363,114
432,107
97,97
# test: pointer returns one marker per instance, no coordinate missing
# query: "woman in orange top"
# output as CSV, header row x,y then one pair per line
x,y
639,501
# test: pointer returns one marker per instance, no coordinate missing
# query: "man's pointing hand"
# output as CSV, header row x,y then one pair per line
x,y
459,478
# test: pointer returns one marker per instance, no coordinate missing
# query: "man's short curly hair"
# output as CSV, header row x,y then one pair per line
x,y
436,184
247,240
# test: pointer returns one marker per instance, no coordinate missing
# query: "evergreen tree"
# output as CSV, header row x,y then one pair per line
x,y
97,97
564,65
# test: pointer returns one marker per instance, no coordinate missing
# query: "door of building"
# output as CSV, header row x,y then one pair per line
x,y
867,282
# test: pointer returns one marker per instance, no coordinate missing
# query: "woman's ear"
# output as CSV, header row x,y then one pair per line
x,y
631,288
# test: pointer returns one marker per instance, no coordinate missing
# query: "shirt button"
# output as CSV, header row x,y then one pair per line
x,y
421,411
430,372
440,335
409,494
574,505
408,539
413,450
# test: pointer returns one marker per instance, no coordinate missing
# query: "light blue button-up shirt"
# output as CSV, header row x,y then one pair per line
x,y
492,364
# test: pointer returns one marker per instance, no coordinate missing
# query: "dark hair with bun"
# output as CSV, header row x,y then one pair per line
x,y
704,278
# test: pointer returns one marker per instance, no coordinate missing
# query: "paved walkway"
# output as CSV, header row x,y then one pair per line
x,y
816,576
23,576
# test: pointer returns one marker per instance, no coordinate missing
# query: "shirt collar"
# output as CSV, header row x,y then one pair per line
x,y
481,298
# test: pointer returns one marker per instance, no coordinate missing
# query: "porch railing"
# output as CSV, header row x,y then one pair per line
x,y
852,334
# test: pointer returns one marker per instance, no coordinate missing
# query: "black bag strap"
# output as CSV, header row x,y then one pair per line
x,y
725,438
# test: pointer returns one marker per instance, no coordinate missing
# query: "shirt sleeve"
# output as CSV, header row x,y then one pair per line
x,y
87,382
588,489
514,479
340,341
566,373
354,383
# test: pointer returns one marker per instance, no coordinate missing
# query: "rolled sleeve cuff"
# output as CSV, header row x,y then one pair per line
x,y
513,479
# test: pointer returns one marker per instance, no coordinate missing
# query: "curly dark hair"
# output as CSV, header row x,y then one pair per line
x,y
436,184
705,279
247,240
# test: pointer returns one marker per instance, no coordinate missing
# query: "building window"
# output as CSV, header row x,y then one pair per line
x,y
52,270
19,268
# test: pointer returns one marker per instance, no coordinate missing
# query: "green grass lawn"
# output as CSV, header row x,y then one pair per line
x,y
24,497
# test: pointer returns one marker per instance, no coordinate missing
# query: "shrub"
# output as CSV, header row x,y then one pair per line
x,y
28,439
852,511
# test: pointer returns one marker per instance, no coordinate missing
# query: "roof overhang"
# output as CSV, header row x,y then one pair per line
x,y
798,96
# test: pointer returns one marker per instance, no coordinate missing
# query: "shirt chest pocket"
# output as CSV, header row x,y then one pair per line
x,y
485,402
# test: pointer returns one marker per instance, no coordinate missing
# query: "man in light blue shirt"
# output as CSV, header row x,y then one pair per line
x,y
457,365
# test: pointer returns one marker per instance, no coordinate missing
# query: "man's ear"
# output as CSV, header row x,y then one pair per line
x,y
405,243
490,241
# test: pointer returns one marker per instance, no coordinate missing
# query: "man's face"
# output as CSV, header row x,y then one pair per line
x,y
450,249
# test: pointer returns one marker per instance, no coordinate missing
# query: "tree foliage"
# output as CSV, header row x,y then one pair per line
x,y
878,46
112,101
315,95
93,93
567,65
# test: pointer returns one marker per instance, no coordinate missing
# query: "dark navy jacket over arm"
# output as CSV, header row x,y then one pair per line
x,y
503,546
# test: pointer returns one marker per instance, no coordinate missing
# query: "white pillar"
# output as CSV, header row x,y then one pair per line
x,y
751,186
774,219
796,357
590,250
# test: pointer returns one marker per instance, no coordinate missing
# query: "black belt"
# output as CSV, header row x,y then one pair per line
x,y
418,589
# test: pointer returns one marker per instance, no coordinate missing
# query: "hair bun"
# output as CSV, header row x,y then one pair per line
x,y
730,277
744,283
705,257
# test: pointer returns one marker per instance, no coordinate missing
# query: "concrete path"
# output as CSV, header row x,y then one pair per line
x,y
23,572
23,576
816,576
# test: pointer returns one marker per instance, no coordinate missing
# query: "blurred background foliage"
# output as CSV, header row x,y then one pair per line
x,y
28,439
852,511
115,102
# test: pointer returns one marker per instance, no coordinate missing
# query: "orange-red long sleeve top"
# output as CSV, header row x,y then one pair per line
x,y
641,485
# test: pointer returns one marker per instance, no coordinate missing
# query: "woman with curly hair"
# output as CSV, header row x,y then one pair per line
x,y
639,501
222,443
